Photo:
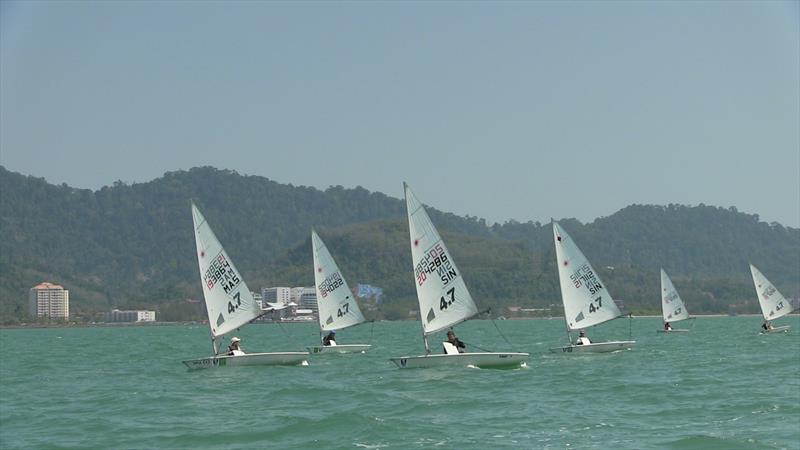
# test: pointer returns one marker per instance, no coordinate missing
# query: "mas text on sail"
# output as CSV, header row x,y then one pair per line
x,y
221,271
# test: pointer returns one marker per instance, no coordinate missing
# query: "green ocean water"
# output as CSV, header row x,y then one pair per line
x,y
720,386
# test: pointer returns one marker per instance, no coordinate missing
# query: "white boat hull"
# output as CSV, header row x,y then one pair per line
x,y
782,329
674,330
595,347
249,359
483,360
339,348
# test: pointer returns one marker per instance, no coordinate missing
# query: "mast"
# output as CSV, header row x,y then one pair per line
x,y
563,305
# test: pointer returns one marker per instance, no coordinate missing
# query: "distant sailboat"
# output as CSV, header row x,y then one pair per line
x,y
444,300
773,304
586,300
672,307
229,303
337,307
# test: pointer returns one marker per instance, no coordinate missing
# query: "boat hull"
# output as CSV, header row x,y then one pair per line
x,y
339,348
483,360
595,347
249,359
781,329
674,330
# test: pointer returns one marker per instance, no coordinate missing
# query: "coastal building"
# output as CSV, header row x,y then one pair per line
x,y
258,298
308,300
49,300
304,299
276,295
130,316
302,315
295,293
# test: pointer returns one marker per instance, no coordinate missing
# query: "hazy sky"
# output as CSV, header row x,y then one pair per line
x,y
523,110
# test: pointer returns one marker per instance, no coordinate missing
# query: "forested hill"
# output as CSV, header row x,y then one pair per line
x,y
133,244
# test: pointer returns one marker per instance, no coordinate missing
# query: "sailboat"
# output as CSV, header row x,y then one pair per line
x,y
337,307
773,304
444,300
672,307
586,300
229,303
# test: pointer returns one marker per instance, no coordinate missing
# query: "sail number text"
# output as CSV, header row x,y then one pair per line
x,y
330,284
221,271
435,261
584,276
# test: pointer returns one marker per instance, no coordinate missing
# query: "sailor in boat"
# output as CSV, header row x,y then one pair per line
x,y
667,326
582,339
329,339
455,342
767,325
234,349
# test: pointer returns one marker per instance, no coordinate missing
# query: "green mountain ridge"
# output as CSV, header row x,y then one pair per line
x,y
132,245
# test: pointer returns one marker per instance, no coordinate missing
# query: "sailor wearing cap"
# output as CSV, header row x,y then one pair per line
x,y
234,348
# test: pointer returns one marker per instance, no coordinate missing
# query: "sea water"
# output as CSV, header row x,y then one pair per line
x,y
720,386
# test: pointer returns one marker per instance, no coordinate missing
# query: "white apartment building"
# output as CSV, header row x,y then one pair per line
x,y
296,293
130,316
308,300
48,300
276,295
304,298
258,298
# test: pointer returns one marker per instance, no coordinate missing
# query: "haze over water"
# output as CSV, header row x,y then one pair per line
x,y
719,386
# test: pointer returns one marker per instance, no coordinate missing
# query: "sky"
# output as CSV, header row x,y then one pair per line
x,y
501,110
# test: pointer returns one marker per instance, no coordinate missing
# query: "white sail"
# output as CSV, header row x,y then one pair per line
x,y
672,306
443,297
773,304
586,300
337,307
229,302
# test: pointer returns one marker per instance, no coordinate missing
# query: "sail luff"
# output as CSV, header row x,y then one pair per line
x,y
229,303
442,296
585,298
337,307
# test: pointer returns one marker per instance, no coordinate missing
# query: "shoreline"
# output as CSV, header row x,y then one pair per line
x,y
161,324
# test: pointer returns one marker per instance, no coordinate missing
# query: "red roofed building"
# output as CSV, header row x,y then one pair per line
x,y
49,300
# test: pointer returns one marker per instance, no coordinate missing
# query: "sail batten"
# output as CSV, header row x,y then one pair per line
x,y
586,300
338,308
229,303
672,307
443,297
773,304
